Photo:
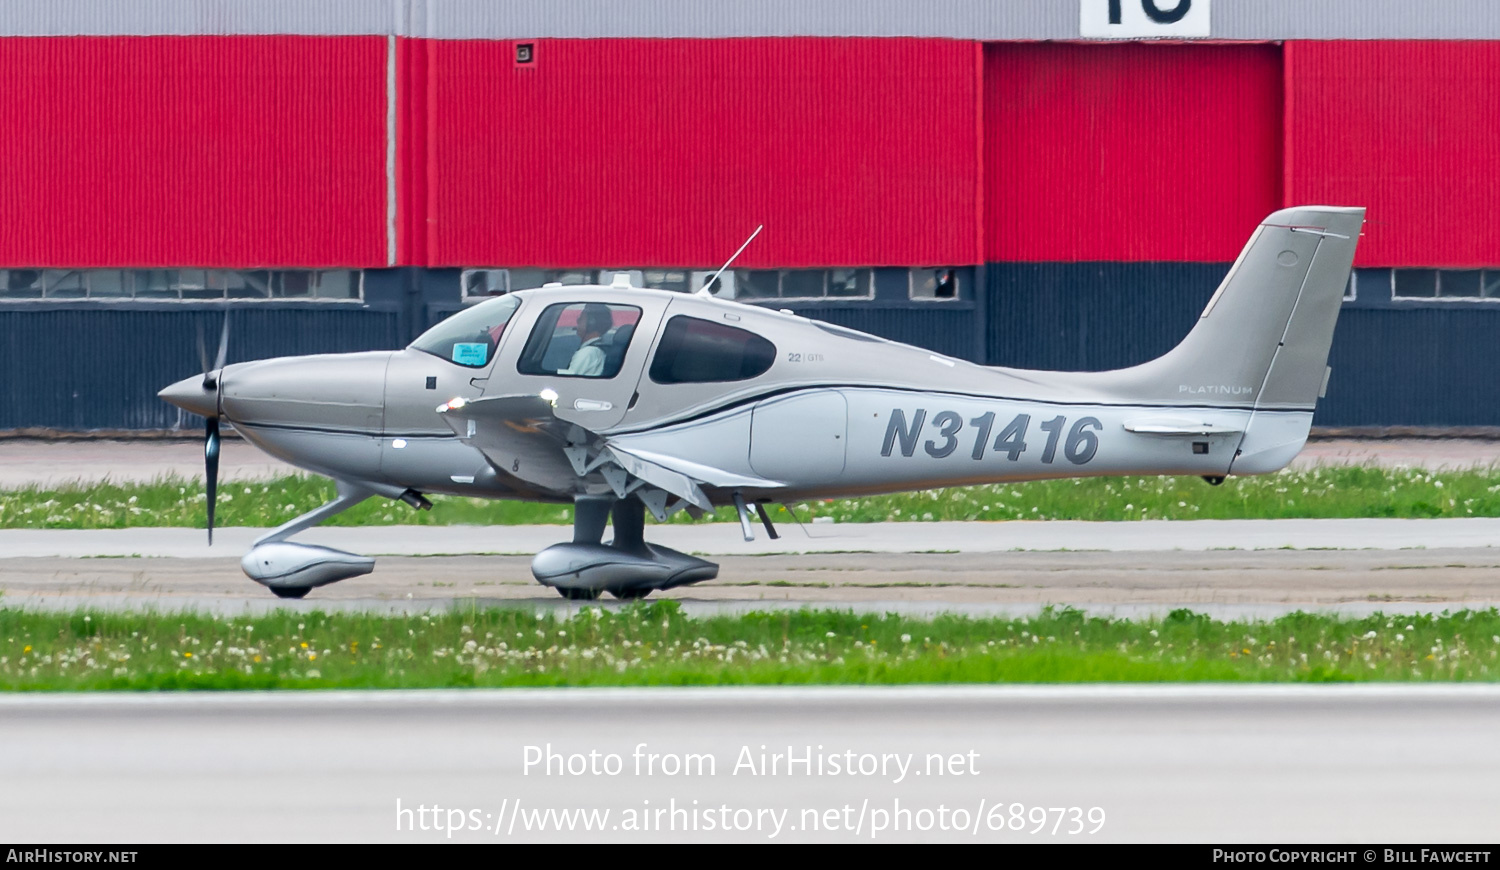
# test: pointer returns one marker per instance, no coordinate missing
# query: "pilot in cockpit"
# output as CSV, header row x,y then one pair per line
x,y
594,323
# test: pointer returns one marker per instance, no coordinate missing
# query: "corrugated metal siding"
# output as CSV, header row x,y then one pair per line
x,y
211,151
1129,152
100,368
960,19
200,17
1430,366
947,330
640,153
1092,316
1406,129
413,171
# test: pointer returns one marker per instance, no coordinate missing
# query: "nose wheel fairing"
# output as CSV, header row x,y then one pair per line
x,y
627,567
289,569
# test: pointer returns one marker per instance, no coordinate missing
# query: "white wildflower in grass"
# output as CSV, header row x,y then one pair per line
x,y
906,638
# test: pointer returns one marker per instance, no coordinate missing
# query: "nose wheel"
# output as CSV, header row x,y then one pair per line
x,y
579,594
635,594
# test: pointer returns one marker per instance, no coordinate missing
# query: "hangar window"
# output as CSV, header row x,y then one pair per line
x,y
804,284
694,351
748,284
469,337
181,284
1438,284
934,284
580,340
483,283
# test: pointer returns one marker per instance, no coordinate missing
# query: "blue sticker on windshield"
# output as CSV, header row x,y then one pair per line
x,y
474,353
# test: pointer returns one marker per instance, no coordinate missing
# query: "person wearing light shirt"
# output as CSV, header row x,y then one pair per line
x,y
588,361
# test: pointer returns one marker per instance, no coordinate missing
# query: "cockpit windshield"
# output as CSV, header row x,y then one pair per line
x,y
469,337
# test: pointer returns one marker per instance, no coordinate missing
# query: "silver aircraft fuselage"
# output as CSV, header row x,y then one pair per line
x,y
838,413
688,402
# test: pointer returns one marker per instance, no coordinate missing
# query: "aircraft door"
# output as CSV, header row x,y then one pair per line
x,y
591,354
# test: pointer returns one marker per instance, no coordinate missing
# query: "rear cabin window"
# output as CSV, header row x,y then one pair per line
x,y
580,340
694,351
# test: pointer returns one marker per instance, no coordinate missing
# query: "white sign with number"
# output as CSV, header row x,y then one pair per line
x,y
1142,19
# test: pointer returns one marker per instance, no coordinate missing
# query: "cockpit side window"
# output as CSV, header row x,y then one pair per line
x,y
469,337
694,351
580,340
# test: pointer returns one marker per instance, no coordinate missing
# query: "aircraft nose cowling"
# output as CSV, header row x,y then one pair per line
x,y
343,392
192,396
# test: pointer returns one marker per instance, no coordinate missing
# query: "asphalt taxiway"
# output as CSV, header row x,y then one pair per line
x,y
1229,568
1162,764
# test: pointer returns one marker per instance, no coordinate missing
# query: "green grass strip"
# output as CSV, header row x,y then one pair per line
x,y
657,644
1357,491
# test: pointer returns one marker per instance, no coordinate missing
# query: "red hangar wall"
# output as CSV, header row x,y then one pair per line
x,y
988,180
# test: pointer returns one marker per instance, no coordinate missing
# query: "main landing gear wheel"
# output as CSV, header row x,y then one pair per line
x,y
635,594
291,591
578,594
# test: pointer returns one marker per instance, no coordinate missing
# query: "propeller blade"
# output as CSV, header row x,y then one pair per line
x,y
211,469
223,344
203,355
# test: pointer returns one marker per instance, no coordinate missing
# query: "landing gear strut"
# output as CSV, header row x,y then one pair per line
x,y
292,570
628,567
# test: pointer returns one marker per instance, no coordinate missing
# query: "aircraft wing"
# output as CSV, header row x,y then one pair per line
x,y
523,439
520,437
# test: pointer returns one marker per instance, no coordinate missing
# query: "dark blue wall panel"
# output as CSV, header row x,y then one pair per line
x,y
947,328
81,366
1092,316
1408,365
100,367
1433,365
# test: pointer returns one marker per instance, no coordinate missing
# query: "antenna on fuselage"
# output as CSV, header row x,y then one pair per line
x,y
703,291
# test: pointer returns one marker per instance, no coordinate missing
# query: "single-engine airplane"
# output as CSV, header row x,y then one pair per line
x,y
624,401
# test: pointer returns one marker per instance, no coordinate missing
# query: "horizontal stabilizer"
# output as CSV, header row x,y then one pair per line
x,y
1179,427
